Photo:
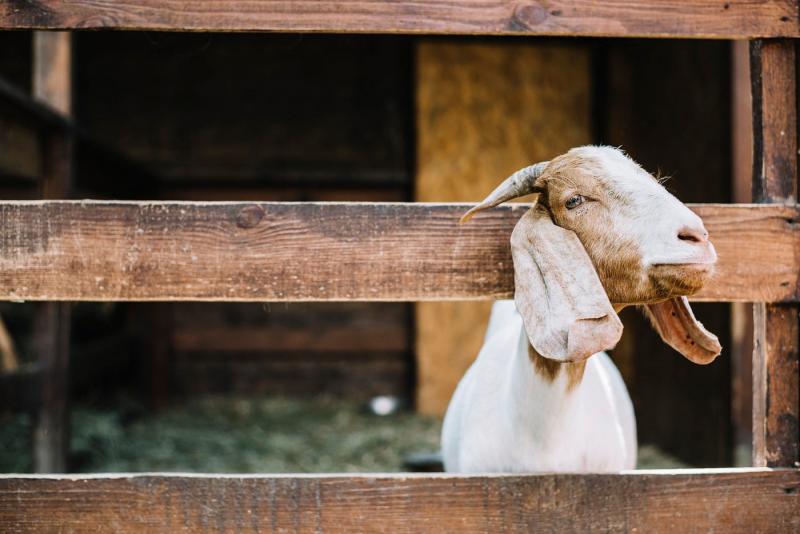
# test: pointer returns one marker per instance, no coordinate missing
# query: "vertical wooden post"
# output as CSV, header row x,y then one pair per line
x,y
776,395
52,83
741,350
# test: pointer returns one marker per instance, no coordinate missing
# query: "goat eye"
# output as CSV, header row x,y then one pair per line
x,y
574,201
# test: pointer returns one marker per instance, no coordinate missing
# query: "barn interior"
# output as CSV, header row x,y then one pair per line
x,y
371,118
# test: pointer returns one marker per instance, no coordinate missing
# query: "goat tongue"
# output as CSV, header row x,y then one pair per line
x,y
675,323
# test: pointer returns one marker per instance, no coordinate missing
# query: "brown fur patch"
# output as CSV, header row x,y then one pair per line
x,y
550,369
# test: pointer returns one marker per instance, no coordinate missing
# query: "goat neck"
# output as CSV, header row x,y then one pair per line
x,y
541,390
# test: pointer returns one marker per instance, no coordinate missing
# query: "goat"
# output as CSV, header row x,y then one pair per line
x,y
602,234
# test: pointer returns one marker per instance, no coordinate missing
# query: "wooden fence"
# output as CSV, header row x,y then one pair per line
x,y
60,250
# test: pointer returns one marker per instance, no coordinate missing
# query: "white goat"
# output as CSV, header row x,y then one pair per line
x,y
603,234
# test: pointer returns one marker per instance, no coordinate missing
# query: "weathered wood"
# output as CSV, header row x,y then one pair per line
x,y
776,354
52,86
653,18
673,501
772,71
775,385
93,250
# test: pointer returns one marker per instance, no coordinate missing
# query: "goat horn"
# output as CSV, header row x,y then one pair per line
x,y
519,184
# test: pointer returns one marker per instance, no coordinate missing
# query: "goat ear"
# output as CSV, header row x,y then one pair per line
x,y
675,323
564,307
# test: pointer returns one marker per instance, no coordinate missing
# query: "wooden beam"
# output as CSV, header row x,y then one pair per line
x,y
52,86
228,251
776,387
650,18
728,501
772,71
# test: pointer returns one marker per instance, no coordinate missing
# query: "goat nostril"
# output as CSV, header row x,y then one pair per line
x,y
692,236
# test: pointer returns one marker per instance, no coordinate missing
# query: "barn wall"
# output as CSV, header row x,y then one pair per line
x,y
19,145
261,117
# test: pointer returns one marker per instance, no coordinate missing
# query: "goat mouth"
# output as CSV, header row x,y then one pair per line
x,y
694,265
676,279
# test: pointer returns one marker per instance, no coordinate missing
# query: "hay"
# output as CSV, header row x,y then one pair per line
x,y
268,435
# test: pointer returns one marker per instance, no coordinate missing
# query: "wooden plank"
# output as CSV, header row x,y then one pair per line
x,y
227,251
772,71
776,354
775,385
671,501
653,18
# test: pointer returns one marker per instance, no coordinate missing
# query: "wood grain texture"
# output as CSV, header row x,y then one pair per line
x,y
683,501
776,354
772,67
227,251
776,430
653,18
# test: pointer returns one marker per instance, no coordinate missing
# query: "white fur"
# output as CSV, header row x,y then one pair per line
x,y
505,418
654,216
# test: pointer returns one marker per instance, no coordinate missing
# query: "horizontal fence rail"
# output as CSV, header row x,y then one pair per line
x,y
229,251
628,18
730,501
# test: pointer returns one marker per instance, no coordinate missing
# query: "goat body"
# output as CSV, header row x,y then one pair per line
x,y
603,234
508,416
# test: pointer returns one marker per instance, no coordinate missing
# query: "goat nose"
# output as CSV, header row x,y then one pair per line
x,y
693,235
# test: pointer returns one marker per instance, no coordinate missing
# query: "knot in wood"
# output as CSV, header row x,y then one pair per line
x,y
526,16
249,216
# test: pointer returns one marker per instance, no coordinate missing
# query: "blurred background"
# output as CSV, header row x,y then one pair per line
x,y
250,387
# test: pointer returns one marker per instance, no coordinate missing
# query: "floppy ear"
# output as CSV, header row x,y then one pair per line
x,y
564,307
675,323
